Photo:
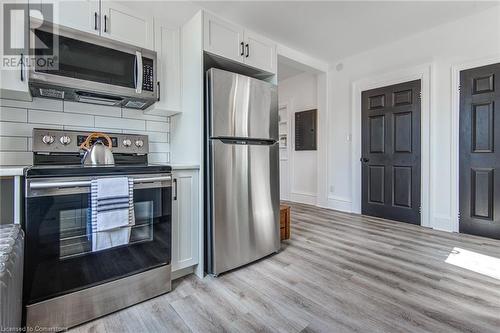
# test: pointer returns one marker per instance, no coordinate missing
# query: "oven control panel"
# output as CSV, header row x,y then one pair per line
x,y
53,141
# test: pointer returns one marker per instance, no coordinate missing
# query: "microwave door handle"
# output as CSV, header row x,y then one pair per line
x,y
138,72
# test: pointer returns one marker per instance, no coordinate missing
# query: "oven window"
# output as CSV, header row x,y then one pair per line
x,y
59,256
76,234
85,61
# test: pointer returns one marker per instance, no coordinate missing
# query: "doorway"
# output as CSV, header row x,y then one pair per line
x,y
391,152
479,155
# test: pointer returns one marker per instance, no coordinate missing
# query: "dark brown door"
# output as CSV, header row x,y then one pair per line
x,y
480,151
391,152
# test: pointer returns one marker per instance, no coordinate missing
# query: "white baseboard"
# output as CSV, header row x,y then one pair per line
x,y
340,204
305,198
182,272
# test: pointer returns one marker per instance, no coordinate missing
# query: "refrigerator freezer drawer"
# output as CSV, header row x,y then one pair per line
x,y
245,203
241,106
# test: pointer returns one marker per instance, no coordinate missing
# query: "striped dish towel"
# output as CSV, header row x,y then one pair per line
x,y
112,212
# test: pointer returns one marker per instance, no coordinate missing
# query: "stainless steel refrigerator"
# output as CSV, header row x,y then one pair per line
x,y
242,153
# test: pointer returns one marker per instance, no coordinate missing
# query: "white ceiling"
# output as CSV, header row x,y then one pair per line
x,y
334,30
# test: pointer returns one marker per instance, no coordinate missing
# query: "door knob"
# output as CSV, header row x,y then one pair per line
x,y
364,159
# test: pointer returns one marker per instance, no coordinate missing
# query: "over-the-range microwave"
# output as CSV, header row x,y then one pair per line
x,y
78,66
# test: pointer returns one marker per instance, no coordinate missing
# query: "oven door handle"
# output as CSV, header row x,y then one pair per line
x,y
86,183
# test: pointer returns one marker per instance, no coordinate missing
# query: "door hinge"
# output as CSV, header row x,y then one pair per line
x,y
420,209
459,87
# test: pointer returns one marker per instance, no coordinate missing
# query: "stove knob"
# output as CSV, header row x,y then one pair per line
x,y
48,139
65,140
139,143
127,142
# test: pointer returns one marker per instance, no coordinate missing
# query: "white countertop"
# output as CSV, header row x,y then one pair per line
x,y
180,166
12,170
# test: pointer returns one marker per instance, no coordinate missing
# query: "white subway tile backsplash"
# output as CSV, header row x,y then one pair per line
x,y
153,136
157,126
138,114
37,103
158,158
98,110
15,158
120,123
22,129
11,143
13,114
159,147
49,117
18,118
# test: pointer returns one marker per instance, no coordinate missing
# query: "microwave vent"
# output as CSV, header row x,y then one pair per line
x,y
135,104
51,93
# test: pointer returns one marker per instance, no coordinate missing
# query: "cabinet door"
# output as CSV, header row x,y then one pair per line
x,y
223,38
126,25
185,210
80,14
13,72
167,46
260,52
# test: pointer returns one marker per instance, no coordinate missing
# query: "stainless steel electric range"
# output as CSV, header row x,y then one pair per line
x,y
65,282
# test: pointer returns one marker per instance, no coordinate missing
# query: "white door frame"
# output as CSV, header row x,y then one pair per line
x,y
288,142
423,73
455,131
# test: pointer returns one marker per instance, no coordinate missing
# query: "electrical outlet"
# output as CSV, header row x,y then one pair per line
x,y
332,189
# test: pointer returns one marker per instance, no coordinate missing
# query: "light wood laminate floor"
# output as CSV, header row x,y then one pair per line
x,y
338,273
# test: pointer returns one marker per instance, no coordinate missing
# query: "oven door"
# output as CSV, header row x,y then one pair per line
x,y
59,257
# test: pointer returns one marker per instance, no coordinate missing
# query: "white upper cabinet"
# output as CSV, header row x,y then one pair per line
x,y
260,52
124,24
233,42
106,18
223,38
14,73
168,48
82,14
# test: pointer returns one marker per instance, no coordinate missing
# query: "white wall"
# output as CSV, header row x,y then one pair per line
x,y
469,39
18,118
299,93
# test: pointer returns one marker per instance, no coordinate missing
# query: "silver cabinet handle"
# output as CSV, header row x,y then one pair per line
x,y
86,183
138,72
175,189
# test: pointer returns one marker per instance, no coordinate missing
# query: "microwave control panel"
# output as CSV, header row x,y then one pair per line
x,y
147,76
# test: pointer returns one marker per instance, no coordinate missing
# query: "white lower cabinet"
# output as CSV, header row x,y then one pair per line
x,y
185,212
